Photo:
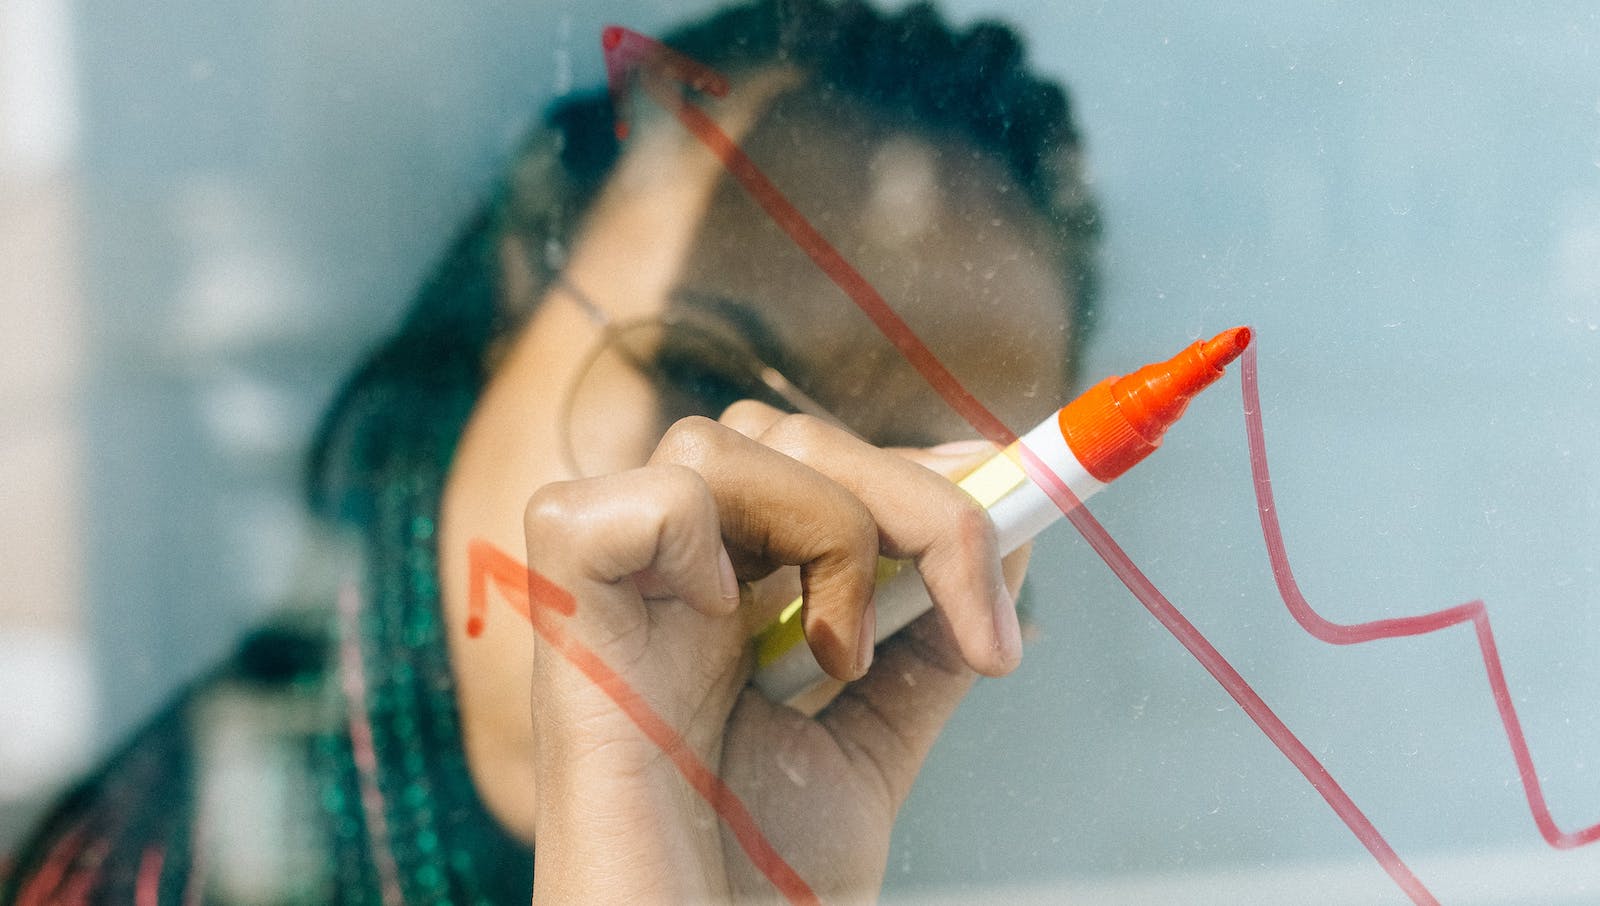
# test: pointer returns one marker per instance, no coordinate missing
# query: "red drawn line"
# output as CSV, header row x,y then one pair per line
x,y
147,886
485,562
523,588
76,891
1333,633
628,52
642,52
1225,674
353,678
47,880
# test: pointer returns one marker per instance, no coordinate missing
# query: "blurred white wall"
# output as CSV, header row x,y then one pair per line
x,y
264,185
208,212
48,703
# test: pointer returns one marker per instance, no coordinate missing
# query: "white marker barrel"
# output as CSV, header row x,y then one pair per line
x,y
1020,509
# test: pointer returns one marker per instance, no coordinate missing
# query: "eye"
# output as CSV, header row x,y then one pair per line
x,y
695,386
700,373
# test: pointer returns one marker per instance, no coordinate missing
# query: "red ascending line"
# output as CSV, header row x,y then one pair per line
x,y
539,600
1473,612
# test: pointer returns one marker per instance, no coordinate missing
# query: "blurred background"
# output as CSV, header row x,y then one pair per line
x,y
209,210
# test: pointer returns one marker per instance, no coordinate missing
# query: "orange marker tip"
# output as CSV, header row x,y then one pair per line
x,y
1226,346
474,626
1121,420
611,36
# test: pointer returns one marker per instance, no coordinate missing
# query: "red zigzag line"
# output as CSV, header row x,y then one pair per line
x,y
1474,612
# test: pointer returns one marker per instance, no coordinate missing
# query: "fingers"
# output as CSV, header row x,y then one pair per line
x,y
775,510
919,515
749,417
784,489
658,526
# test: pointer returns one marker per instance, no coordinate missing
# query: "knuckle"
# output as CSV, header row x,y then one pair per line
x,y
690,441
565,518
748,412
549,506
860,530
679,489
838,526
971,525
800,437
553,514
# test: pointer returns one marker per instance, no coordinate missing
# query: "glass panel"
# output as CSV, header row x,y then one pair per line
x,y
213,214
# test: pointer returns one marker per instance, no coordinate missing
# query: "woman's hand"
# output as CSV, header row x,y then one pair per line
x,y
652,557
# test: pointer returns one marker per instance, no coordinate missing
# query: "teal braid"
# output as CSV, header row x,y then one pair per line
x,y
386,456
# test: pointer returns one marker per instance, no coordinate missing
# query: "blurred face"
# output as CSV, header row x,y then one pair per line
x,y
937,229
941,234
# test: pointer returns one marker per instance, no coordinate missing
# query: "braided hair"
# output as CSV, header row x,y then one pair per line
x,y
399,815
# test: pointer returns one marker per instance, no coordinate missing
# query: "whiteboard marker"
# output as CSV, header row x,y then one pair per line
x,y
1087,444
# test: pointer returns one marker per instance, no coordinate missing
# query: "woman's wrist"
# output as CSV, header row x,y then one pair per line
x,y
618,829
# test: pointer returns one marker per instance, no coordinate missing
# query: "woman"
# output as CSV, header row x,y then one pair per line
x,y
520,408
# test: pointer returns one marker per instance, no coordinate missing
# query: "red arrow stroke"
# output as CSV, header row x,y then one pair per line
x,y
542,602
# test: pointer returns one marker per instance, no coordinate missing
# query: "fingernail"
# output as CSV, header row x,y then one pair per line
x,y
730,582
1007,630
962,448
868,639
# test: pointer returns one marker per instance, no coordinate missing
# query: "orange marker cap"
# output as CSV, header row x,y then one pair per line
x,y
1120,420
